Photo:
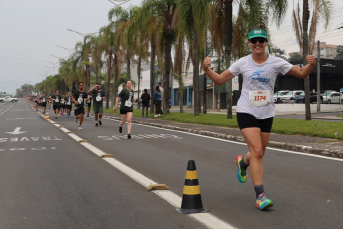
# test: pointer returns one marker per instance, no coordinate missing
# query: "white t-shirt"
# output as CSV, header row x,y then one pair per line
x,y
258,77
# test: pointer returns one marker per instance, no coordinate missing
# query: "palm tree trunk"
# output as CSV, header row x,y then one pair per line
x,y
108,80
218,99
227,45
152,73
116,72
139,77
96,74
128,66
167,59
305,53
181,93
196,75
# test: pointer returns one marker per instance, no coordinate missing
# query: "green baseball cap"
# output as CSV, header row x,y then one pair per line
x,y
257,33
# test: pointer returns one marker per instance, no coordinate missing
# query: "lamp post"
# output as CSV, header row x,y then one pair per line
x,y
69,50
82,34
53,65
118,2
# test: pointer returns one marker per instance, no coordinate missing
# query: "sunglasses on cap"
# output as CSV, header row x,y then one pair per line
x,y
261,40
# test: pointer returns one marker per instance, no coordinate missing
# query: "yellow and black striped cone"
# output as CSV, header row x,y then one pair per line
x,y
191,199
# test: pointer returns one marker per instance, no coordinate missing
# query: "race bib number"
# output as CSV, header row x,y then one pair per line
x,y
259,98
80,100
43,100
68,103
98,98
128,103
57,100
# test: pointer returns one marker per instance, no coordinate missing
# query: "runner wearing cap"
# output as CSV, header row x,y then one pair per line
x,y
255,107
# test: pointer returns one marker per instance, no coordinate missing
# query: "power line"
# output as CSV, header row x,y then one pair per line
x,y
286,29
286,42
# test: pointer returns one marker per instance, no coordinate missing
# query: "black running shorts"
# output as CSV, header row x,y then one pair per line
x,y
246,120
56,107
79,110
124,111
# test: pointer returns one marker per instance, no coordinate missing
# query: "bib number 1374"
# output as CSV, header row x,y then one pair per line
x,y
259,98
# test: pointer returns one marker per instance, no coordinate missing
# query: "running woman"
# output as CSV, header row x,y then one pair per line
x,y
56,98
43,99
89,103
68,100
79,96
98,99
255,108
126,107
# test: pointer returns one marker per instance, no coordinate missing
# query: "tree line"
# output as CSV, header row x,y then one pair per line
x,y
151,31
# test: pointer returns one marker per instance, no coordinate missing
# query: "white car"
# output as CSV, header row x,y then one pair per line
x,y
2,100
332,97
290,95
9,99
277,95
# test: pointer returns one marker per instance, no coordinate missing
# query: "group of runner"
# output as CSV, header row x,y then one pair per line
x,y
65,103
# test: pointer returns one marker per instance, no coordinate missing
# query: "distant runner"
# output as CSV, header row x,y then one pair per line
x,y
79,97
98,99
56,98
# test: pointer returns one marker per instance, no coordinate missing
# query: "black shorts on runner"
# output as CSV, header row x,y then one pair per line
x,y
79,110
88,105
68,107
124,111
56,107
246,120
43,104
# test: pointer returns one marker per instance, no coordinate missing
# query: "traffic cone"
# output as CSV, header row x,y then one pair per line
x,y
191,199
47,116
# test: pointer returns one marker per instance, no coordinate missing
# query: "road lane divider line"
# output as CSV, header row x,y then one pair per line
x,y
206,219
238,143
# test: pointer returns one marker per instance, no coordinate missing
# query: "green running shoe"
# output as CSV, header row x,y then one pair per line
x,y
241,173
263,203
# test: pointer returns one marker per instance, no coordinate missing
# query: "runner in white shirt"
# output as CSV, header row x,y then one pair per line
x,y
255,108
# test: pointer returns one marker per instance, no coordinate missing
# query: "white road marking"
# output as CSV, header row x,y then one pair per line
x,y
16,131
206,219
241,143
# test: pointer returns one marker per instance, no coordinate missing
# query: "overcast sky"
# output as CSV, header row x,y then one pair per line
x,y
31,30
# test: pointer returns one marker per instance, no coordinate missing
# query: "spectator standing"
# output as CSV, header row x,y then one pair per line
x,y
145,97
157,101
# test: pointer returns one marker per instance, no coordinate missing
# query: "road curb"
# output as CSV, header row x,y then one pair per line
x,y
274,144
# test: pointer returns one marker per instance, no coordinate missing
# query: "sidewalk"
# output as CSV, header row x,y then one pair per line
x,y
223,111
315,145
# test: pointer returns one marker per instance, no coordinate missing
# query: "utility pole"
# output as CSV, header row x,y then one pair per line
x,y
318,76
204,109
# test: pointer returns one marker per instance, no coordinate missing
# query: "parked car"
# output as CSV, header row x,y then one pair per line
x,y
290,95
313,98
277,95
332,97
10,99
326,91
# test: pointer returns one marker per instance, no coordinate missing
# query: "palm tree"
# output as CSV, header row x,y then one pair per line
x,y
140,42
164,12
193,21
81,58
322,9
151,26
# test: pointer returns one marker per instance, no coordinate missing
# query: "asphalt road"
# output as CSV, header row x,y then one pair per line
x,y
67,186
